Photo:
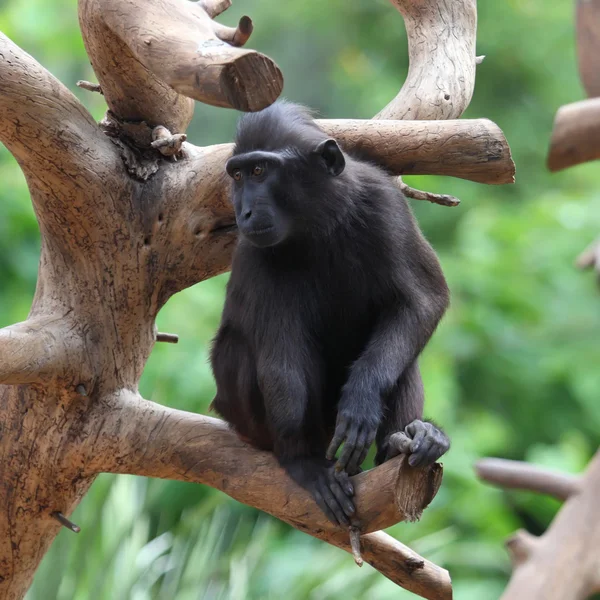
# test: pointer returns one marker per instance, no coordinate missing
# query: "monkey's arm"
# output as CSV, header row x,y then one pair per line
x,y
400,334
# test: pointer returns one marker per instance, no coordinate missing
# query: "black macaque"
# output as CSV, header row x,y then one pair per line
x,y
333,294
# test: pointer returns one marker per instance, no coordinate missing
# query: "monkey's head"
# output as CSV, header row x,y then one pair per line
x,y
284,169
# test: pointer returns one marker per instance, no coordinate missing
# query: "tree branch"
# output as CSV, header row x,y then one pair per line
x,y
576,135
171,52
441,49
469,149
39,350
564,563
524,476
143,438
46,128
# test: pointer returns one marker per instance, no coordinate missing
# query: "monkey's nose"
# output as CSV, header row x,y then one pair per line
x,y
246,216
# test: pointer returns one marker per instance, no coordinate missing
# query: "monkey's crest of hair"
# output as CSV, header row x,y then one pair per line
x,y
282,125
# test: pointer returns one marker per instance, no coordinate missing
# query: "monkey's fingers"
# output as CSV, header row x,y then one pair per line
x,y
361,450
343,479
342,499
326,510
418,458
338,437
350,446
333,505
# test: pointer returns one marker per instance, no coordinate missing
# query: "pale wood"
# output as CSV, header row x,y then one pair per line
x,y
470,149
195,448
588,45
123,229
441,49
564,563
576,135
171,52
525,476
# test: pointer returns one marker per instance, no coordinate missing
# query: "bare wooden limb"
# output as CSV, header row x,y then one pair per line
x,y
171,52
166,143
524,476
441,49
469,149
564,563
169,338
155,441
143,438
66,522
520,546
89,86
399,564
215,7
46,128
37,350
588,45
576,135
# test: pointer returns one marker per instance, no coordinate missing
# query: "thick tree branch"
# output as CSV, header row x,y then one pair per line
x,y
441,48
524,476
47,130
576,135
143,438
169,53
564,563
39,350
469,149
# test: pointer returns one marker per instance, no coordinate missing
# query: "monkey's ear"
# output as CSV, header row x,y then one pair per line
x,y
332,156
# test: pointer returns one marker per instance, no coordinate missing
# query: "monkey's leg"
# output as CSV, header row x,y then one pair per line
x,y
403,430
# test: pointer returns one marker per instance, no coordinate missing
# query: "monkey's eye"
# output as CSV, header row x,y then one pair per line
x,y
237,174
257,171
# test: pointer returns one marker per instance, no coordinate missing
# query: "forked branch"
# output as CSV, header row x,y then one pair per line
x,y
172,52
564,563
47,129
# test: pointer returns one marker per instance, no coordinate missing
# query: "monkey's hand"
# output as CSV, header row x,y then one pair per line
x,y
421,440
331,490
357,429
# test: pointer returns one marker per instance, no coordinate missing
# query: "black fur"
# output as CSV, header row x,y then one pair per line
x,y
333,294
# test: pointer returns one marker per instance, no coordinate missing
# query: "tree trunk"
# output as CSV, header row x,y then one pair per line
x,y
124,227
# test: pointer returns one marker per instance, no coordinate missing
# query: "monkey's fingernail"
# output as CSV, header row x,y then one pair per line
x,y
413,460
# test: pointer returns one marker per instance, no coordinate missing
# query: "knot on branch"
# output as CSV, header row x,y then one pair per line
x,y
138,144
166,143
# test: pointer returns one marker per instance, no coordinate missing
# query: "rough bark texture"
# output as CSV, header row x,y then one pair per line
x,y
441,49
123,228
564,563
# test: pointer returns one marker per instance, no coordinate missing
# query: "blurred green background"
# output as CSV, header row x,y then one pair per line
x,y
513,371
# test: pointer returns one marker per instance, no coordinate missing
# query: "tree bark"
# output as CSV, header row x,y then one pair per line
x,y
576,135
123,228
564,563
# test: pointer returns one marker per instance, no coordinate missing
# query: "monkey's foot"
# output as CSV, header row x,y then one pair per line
x,y
422,441
331,489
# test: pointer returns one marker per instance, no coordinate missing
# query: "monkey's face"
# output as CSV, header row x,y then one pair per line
x,y
259,197
282,194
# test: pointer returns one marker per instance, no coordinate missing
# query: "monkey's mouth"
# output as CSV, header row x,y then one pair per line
x,y
224,228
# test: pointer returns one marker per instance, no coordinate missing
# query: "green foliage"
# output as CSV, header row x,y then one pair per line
x,y
513,370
